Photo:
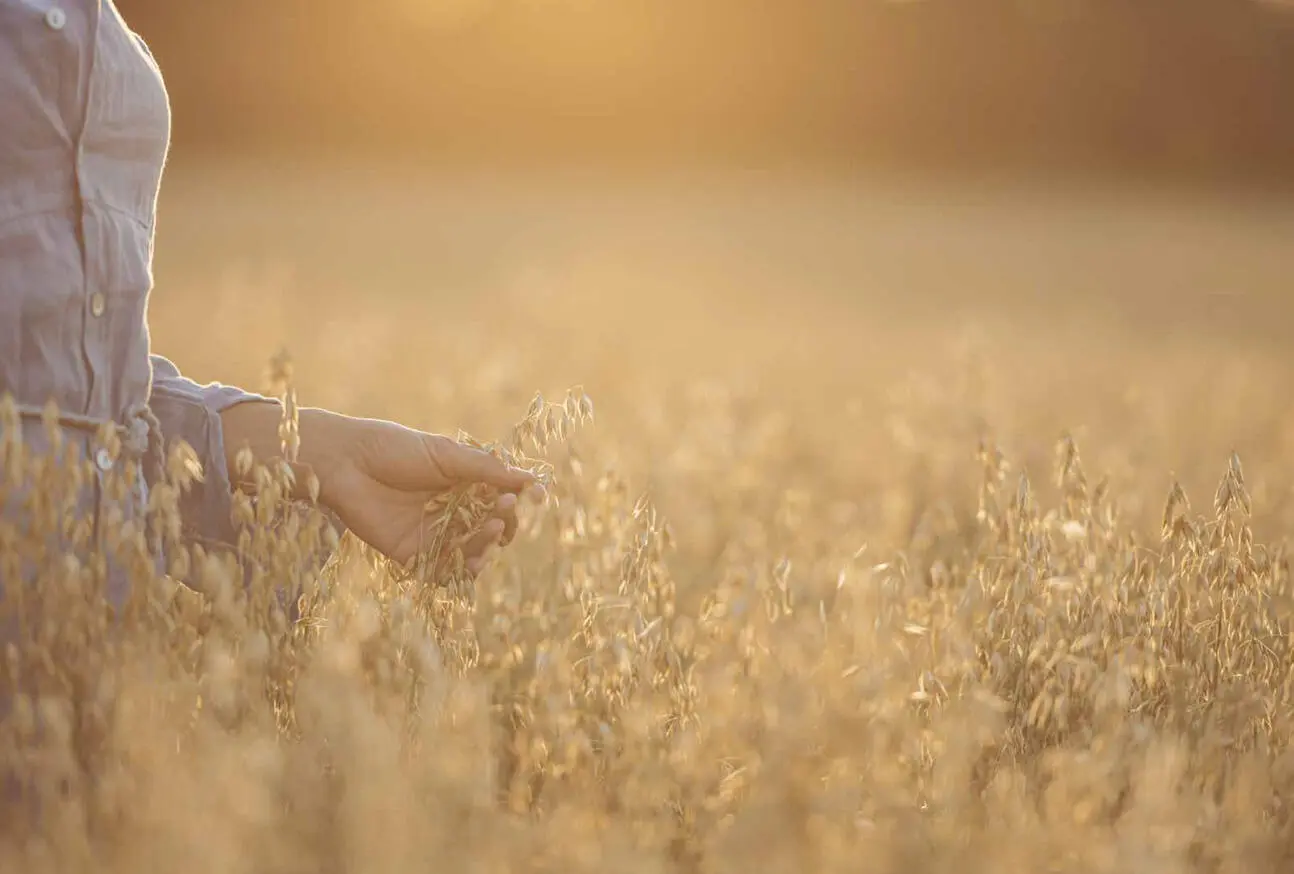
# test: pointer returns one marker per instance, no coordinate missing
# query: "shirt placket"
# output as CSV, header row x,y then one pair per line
x,y
94,302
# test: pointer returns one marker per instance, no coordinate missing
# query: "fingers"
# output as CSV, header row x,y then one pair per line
x,y
506,510
467,464
478,544
499,531
464,464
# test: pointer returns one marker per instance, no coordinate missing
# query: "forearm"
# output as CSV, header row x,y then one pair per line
x,y
255,427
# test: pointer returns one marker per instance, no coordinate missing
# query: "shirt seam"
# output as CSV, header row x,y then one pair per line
x,y
116,210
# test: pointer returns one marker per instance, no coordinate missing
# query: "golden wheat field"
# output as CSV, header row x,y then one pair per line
x,y
917,529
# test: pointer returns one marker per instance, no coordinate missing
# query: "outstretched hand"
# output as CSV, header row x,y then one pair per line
x,y
380,475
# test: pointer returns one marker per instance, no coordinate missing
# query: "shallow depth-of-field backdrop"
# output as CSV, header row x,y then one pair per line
x,y
927,521
852,638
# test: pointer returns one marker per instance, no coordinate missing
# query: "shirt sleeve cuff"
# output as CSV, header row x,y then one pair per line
x,y
190,411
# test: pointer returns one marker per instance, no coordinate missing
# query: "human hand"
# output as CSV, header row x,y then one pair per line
x,y
378,476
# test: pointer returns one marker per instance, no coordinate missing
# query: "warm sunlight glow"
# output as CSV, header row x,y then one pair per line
x,y
936,516
447,15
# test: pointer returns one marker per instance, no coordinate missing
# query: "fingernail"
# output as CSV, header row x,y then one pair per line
x,y
474,566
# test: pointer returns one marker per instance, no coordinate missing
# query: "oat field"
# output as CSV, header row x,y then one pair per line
x,y
914,530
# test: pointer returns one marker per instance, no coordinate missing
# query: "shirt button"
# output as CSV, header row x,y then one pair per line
x,y
56,18
97,304
103,460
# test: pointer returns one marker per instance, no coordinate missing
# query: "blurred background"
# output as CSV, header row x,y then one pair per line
x,y
901,222
1184,90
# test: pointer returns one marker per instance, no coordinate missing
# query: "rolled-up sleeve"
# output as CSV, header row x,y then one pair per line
x,y
190,411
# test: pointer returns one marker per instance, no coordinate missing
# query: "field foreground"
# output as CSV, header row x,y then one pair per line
x,y
912,533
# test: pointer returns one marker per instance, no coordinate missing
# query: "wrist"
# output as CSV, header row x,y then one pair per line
x,y
325,438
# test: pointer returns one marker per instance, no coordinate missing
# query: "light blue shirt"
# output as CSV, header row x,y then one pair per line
x,y
84,133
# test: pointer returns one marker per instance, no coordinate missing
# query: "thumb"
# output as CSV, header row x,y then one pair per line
x,y
467,464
